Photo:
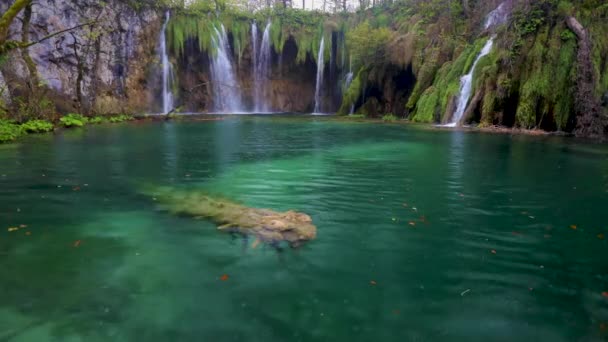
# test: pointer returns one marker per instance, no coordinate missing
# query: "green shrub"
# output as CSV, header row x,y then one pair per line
x,y
9,131
389,118
97,120
36,126
73,120
120,118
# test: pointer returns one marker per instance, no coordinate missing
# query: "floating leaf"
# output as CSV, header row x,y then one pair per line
x,y
77,243
600,236
574,227
23,226
493,251
373,283
224,277
605,294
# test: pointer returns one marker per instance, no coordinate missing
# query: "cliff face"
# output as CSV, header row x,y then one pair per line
x,y
101,67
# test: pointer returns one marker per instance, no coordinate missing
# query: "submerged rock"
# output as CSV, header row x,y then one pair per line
x,y
265,224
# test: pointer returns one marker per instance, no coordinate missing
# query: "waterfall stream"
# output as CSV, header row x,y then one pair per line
x,y
167,69
466,83
226,89
498,16
320,67
261,69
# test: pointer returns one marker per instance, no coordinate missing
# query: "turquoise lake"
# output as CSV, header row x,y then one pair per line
x,y
423,234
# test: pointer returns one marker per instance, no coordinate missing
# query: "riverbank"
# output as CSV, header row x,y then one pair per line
x,y
10,132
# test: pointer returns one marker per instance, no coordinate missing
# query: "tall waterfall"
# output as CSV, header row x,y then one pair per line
x,y
320,67
226,91
466,83
167,69
261,68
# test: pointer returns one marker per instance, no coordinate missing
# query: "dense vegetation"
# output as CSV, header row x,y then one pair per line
x,y
538,74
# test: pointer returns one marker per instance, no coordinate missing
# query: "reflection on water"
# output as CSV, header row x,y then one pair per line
x,y
423,235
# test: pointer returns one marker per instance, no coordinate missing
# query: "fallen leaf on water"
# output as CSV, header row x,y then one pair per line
x,y
224,277
600,236
605,294
255,244
23,226
573,227
77,243
493,251
373,283
13,229
76,188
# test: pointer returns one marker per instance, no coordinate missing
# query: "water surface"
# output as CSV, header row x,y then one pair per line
x,y
423,235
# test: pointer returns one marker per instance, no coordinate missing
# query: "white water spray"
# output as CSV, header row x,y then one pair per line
x,y
226,90
320,67
466,83
498,16
167,69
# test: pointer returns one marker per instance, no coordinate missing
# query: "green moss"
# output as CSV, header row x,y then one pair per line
x,y
352,94
427,107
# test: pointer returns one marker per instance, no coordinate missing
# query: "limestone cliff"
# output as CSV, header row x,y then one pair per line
x,y
104,67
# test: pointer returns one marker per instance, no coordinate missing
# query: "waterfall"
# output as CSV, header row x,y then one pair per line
x,y
167,69
226,91
466,83
261,69
320,66
498,16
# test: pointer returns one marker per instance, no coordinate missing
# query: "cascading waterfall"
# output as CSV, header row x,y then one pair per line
x,y
466,86
261,68
167,68
226,91
498,16
320,67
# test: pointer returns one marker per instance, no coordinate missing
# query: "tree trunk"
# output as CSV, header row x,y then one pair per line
x,y
8,17
32,81
589,120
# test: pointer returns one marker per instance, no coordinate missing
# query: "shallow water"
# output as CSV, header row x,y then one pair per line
x,y
423,235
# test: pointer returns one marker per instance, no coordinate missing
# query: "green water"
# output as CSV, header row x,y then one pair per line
x,y
492,255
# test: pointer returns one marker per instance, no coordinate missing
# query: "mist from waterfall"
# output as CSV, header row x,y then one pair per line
x,y
466,85
167,68
226,89
320,67
261,68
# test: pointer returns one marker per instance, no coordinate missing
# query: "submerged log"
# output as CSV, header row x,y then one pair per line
x,y
264,224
